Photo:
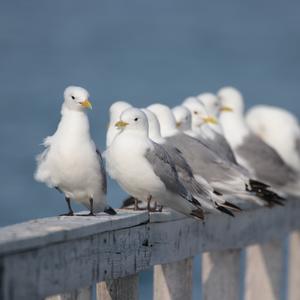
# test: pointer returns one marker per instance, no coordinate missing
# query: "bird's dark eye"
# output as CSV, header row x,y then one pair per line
x,y
195,112
73,97
136,119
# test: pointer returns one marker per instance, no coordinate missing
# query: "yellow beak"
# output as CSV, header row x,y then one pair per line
x,y
210,120
121,124
178,124
226,109
87,104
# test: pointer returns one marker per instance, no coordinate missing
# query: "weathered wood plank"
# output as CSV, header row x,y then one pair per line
x,y
173,281
119,289
81,294
42,232
221,273
63,267
264,267
294,266
94,253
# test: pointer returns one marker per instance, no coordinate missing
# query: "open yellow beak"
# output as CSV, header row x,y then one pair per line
x,y
178,124
121,124
210,120
226,109
87,104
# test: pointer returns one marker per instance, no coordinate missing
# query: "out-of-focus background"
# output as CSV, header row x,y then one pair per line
x,y
138,51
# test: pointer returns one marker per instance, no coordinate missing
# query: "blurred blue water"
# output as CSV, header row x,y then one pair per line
x,y
140,51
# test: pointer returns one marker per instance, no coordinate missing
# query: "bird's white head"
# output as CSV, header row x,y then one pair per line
x,y
133,120
211,103
166,119
76,98
198,112
117,108
154,127
231,100
183,117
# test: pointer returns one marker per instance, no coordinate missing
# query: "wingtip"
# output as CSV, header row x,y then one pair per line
x,y
197,213
225,211
110,211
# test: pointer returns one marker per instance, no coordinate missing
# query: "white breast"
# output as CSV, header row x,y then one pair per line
x,y
126,163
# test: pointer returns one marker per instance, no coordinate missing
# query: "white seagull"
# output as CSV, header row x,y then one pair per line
x,y
208,129
211,103
200,189
115,112
71,163
225,177
183,118
144,169
264,163
280,129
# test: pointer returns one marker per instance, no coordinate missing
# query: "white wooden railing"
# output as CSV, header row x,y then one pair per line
x,y
67,256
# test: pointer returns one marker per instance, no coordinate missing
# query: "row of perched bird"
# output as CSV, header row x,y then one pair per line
x,y
201,156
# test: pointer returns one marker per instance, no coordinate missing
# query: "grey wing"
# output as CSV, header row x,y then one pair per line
x,y
203,160
164,168
224,148
185,172
103,172
298,145
265,161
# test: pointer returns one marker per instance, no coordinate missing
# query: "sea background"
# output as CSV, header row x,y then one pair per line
x,y
138,51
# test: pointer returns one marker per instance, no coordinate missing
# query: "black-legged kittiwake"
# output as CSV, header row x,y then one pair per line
x,y
280,129
264,163
224,176
144,169
71,163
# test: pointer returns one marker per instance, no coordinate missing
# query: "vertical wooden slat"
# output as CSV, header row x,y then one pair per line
x,y
119,289
294,266
173,281
81,294
264,267
221,275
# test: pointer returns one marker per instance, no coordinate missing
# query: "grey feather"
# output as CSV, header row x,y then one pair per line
x,y
220,145
298,145
203,160
185,172
265,161
164,168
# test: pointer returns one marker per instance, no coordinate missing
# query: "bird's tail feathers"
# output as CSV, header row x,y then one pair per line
x,y
110,211
197,214
264,192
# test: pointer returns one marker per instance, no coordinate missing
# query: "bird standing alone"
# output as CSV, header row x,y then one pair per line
x,y
71,162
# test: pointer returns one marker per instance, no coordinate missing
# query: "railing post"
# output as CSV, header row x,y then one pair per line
x,y
173,281
264,266
80,294
294,266
119,289
221,275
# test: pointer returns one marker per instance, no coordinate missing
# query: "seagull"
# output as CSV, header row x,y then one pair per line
x,y
115,111
71,163
224,176
201,190
183,118
144,169
280,129
207,129
264,163
212,105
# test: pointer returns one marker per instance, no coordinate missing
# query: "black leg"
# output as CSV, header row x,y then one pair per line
x,y
136,204
92,207
70,213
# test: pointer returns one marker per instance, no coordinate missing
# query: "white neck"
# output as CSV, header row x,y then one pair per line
x,y
234,128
